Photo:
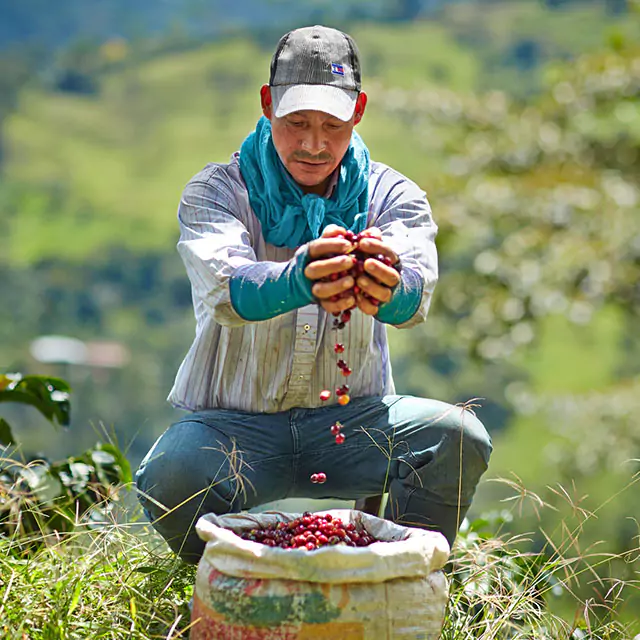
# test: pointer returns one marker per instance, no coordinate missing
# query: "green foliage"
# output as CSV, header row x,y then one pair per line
x,y
537,304
40,499
537,207
537,204
50,396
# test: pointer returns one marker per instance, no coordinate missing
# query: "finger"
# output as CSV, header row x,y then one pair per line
x,y
372,232
328,246
385,275
328,290
325,268
339,305
366,306
376,246
370,286
333,230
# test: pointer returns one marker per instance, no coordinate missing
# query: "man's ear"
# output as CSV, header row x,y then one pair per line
x,y
361,104
265,99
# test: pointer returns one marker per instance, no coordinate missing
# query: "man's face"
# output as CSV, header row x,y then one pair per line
x,y
311,144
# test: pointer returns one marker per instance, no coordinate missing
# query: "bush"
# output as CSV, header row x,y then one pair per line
x,y
39,499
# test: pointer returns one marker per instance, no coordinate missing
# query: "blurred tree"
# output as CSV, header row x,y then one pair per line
x,y
538,204
77,67
526,54
538,207
16,68
404,10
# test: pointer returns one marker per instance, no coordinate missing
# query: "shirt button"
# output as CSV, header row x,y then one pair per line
x,y
307,327
301,377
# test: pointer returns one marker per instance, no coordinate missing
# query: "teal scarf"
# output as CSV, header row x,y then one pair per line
x,y
290,217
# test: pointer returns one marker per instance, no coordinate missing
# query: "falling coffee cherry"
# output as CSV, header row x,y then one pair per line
x,y
341,318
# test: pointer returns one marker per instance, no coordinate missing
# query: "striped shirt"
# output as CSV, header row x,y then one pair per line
x,y
284,362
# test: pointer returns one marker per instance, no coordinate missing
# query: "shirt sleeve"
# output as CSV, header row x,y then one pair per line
x,y
264,290
221,264
408,227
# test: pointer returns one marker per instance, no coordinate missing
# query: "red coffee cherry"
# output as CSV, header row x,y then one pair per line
x,y
310,532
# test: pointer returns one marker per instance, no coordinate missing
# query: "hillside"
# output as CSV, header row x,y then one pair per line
x,y
118,158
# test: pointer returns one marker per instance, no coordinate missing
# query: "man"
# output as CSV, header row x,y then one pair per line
x,y
268,244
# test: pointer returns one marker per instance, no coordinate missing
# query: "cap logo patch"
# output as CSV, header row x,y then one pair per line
x,y
337,69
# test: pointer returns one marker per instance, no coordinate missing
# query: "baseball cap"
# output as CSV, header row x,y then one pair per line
x,y
315,68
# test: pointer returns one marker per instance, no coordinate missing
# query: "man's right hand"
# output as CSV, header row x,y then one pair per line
x,y
330,258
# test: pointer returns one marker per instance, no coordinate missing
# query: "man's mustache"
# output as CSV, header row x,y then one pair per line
x,y
307,157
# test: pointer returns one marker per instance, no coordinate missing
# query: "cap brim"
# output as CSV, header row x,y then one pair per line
x,y
340,103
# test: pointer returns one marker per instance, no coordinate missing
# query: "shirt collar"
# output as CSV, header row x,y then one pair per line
x,y
332,183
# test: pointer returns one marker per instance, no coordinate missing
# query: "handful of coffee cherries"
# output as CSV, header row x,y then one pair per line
x,y
341,318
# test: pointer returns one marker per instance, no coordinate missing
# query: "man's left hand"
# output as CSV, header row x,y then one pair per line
x,y
379,279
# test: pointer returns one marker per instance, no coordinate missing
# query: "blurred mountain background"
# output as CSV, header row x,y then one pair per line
x,y
520,119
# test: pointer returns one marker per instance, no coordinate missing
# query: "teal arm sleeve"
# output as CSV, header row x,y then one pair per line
x,y
405,300
264,290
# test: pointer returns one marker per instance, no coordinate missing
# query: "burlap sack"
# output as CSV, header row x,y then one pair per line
x,y
388,590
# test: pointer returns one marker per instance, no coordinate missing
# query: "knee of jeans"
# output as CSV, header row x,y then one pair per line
x,y
464,430
162,486
460,437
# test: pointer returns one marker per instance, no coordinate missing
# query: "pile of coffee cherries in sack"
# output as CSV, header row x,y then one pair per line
x,y
341,318
311,531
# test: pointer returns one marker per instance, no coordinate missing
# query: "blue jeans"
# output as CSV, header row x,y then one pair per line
x,y
428,455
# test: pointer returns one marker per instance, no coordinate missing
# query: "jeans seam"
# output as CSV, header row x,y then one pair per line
x,y
295,458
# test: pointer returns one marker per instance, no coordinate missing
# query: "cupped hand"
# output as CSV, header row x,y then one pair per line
x,y
379,277
329,270
332,271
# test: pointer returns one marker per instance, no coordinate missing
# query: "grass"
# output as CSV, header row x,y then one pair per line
x,y
104,584
118,581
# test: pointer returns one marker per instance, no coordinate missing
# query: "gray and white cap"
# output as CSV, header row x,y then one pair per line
x,y
315,68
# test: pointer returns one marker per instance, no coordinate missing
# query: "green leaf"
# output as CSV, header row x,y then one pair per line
x,y
55,384
149,569
48,395
125,475
6,436
44,485
75,598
